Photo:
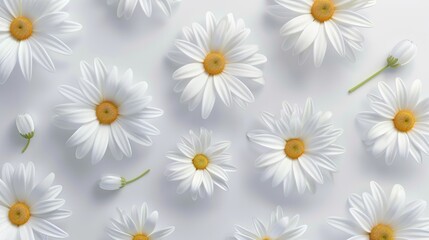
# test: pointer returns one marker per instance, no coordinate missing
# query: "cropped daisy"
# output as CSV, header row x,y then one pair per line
x,y
29,209
398,123
107,111
300,147
315,24
126,7
376,216
280,227
28,31
200,164
140,224
216,61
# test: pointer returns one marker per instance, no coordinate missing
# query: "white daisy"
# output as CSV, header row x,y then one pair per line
x,y
216,60
107,111
280,227
380,217
28,30
139,225
126,7
314,24
200,164
300,147
29,209
398,124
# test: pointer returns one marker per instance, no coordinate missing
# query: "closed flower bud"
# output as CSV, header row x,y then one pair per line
x,y
404,52
25,126
111,183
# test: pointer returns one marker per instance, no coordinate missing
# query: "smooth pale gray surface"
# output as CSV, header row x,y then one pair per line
x,y
141,44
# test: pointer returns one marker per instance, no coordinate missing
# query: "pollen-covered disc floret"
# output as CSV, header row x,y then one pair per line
x,y
279,227
30,31
300,145
397,128
29,209
216,63
377,216
139,224
314,25
107,112
200,164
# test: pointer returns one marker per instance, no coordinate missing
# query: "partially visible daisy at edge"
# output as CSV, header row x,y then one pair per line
x,y
200,164
29,31
107,111
126,8
397,128
216,63
376,216
279,227
314,25
300,147
140,224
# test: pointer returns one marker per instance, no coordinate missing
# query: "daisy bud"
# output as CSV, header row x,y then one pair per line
x,y
112,183
402,54
25,126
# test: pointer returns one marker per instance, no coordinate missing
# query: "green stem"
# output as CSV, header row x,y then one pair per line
x,y
368,79
137,178
26,145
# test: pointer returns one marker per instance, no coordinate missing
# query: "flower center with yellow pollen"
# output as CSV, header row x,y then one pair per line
x,y
19,214
200,161
21,28
404,121
382,232
140,237
323,10
266,238
294,148
214,63
107,112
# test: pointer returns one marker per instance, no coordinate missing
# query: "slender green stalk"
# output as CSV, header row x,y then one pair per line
x,y
26,145
368,79
137,178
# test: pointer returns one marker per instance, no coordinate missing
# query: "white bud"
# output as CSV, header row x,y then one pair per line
x,y
404,51
111,183
25,125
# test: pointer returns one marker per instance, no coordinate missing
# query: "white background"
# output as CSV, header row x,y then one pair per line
x,y
142,44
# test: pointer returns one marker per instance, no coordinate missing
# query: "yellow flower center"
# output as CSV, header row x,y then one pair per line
x,y
294,148
404,121
19,214
140,237
214,63
21,28
382,232
323,10
200,161
266,238
107,112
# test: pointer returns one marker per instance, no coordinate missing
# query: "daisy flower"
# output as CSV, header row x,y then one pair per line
x,y
200,164
28,30
315,24
140,224
398,123
300,146
29,209
126,7
279,227
106,111
216,60
376,216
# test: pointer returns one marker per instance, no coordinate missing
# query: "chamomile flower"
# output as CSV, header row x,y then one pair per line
x,y
29,209
376,216
216,61
28,31
140,224
200,164
107,111
315,24
126,7
280,227
300,147
398,123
